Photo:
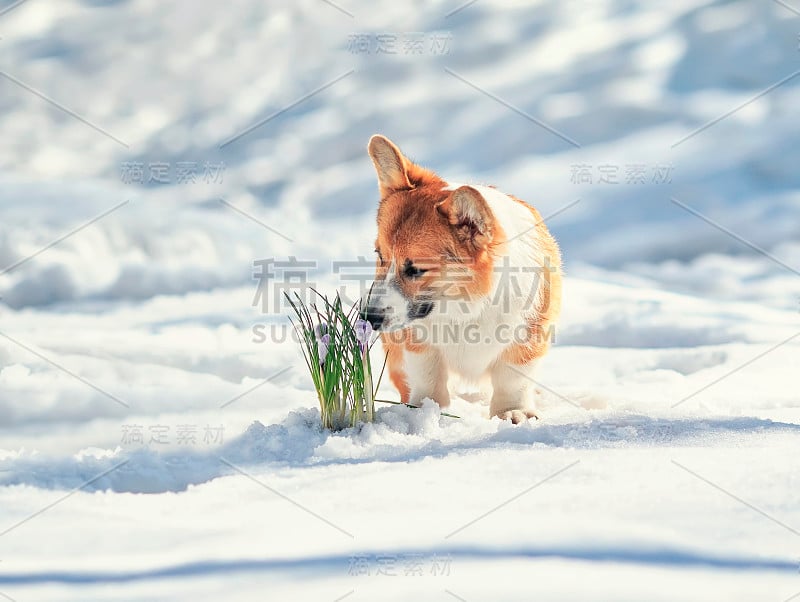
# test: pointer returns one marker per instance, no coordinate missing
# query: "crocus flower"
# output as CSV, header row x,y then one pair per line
x,y
363,331
322,344
320,330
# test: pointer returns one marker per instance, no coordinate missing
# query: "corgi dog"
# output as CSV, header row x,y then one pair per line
x,y
467,283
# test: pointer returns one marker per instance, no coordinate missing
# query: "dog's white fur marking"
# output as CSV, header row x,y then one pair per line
x,y
387,298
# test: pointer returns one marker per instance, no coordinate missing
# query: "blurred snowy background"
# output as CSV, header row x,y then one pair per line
x,y
151,151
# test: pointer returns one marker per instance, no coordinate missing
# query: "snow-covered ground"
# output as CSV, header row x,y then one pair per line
x,y
158,440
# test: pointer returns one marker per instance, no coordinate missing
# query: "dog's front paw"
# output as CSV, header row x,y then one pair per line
x,y
517,416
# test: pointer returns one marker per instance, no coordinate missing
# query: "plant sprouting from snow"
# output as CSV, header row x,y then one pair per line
x,y
336,345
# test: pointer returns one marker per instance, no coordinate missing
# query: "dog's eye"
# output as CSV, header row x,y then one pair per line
x,y
411,271
380,257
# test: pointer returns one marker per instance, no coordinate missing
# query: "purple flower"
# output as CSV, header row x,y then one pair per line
x,y
320,330
363,333
322,345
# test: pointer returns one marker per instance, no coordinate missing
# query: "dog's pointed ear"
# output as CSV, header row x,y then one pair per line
x,y
390,165
469,213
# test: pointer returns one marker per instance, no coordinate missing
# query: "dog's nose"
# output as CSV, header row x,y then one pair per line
x,y
373,316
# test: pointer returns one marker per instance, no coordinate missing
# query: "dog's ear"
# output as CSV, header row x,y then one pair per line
x,y
390,165
469,213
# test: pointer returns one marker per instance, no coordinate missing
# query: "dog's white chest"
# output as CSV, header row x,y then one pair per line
x,y
470,348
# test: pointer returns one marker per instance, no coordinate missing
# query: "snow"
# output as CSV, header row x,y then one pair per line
x,y
665,464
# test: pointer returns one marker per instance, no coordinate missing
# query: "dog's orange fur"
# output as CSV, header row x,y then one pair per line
x,y
549,307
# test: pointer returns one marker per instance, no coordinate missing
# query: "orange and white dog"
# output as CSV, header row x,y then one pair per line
x,y
468,282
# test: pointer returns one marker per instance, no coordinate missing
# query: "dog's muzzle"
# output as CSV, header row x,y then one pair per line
x,y
377,316
373,316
